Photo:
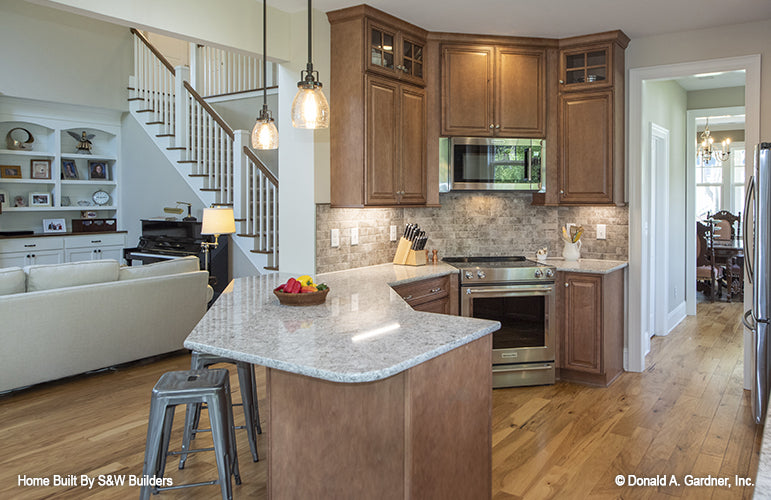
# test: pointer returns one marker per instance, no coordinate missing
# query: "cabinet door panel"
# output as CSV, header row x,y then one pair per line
x,y
14,259
412,129
381,147
587,148
81,254
467,91
520,93
583,326
441,306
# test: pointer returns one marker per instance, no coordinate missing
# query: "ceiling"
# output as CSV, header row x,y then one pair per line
x,y
713,80
557,18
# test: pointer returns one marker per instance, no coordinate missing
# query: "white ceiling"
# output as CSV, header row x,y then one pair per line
x,y
713,80
557,18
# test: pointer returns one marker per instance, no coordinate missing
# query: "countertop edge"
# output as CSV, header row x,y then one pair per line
x,y
590,266
351,377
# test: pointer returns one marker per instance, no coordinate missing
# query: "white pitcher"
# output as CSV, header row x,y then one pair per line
x,y
572,251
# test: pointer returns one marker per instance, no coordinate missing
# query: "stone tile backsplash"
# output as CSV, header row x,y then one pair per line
x,y
468,224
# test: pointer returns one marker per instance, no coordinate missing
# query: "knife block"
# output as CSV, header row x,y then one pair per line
x,y
408,257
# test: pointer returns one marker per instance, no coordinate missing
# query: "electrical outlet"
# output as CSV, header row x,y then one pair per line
x,y
601,231
676,294
393,233
335,237
354,236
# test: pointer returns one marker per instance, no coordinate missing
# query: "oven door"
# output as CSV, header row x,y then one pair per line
x,y
527,317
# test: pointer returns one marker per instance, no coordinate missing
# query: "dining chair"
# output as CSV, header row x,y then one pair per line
x,y
726,231
726,225
706,272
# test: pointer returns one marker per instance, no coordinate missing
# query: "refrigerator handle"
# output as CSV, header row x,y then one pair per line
x,y
745,238
745,319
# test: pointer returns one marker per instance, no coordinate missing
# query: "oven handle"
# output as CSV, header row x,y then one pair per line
x,y
511,291
508,368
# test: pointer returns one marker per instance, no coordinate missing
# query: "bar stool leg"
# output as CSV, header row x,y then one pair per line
x,y
192,418
246,384
168,421
220,437
253,379
153,446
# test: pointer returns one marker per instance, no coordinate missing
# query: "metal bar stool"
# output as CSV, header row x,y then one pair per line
x,y
191,387
248,386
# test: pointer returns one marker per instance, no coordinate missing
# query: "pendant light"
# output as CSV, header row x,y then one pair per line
x,y
310,108
264,133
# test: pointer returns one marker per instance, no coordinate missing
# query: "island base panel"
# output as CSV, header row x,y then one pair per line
x,y
423,433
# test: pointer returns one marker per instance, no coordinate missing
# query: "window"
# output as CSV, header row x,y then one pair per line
x,y
720,185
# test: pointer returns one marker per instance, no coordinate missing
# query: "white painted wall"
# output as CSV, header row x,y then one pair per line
x,y
236,25
664,103
716,98
54,56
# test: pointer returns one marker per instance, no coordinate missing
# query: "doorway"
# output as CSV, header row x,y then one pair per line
x,y
639,188
659,231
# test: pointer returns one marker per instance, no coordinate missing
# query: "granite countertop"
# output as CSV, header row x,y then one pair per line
x,y
363,332
593,266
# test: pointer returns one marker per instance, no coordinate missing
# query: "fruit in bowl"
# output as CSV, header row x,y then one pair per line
x,y
301,291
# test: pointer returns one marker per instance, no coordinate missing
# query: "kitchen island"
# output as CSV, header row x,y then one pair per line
x,y
366,397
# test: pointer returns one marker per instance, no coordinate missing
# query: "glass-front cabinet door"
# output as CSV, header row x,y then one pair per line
x,y
584,68
393,54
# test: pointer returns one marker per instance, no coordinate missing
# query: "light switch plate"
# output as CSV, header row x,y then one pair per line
x,y
354,236
601,231
335,237
393,233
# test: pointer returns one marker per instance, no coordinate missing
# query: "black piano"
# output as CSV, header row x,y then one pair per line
x,y
171,239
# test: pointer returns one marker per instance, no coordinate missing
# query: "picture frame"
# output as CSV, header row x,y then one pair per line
x,y
5,200
54,226
19,201
40,199
65,201
97,170
10,171
69,170
40,169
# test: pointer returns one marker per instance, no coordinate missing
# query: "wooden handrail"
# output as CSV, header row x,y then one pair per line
x,y
272,87
210,110
154,50
267,173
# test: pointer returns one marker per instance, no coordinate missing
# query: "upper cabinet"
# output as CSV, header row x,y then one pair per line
x,y
493,91
394,53
586,67
378,123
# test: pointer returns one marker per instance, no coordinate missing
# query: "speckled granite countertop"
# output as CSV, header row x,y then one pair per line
x,y
763,477
364,331
594,266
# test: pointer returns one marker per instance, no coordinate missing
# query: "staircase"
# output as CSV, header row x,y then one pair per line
x,y
210,156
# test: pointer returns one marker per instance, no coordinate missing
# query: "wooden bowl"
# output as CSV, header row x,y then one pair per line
x,y
302,299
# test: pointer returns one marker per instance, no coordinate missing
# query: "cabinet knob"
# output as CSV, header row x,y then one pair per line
x,y
562,192
492,126
435,290
497,126
407,297
567,285
562,81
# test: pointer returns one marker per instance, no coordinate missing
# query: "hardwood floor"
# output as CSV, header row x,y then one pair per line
x,y
687,414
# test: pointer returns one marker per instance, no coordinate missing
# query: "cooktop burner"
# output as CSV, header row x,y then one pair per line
x,y
500,269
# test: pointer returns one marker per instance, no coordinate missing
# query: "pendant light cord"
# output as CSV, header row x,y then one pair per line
x,y
310,60
264,53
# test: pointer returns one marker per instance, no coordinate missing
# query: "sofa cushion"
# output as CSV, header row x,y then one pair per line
x,y
48,277
187,264
12,280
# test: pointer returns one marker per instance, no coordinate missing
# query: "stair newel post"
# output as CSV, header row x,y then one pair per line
x,y
241,139
195,68
181,109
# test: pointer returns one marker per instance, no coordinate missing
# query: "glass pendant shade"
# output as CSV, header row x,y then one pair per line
x,y
310,108
265,134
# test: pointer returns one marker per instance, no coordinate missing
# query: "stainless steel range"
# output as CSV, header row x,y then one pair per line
x,y
519,293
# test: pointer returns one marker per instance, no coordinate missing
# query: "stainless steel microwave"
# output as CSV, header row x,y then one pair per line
x,y
491,164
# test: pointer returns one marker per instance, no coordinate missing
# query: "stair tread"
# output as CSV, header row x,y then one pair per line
x,y
153,123
164,135
136,98
176,147
145,110
263,252
187,161
271,268
197,175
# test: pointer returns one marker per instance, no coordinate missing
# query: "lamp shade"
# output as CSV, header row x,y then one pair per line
x,y
218,220
310,108
265,134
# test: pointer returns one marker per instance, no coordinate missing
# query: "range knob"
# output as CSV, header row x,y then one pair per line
x,y
481,274
469,275
549,273
538,273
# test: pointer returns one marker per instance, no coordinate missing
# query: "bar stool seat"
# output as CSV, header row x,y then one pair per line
x,y
248,387
211,387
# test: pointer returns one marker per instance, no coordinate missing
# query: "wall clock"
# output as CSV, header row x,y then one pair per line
x,y
100,197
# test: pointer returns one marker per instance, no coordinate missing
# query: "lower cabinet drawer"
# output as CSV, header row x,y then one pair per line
x,y
31,244
441,306
427,290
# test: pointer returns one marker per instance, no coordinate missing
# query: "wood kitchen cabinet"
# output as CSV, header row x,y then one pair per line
x,y
437,295
493,91
592,324
378,124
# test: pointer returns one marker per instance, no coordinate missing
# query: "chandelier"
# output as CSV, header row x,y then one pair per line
x,y
707,152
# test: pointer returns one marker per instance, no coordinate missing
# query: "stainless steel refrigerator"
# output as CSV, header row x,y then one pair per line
x,y
757,262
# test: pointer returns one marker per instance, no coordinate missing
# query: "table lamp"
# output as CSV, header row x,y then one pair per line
x,y
216,221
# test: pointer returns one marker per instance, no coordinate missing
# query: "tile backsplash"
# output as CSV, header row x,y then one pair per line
x,y
468,224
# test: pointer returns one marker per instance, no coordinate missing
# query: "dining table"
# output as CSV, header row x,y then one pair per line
x,y
727,253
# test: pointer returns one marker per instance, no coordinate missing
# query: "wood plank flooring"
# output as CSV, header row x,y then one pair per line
x,y
687,414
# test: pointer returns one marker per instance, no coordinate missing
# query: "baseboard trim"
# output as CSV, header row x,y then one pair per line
x,y
677,315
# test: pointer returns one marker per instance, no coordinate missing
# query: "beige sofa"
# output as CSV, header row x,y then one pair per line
x,y
64,319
